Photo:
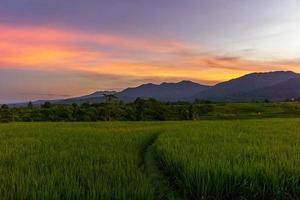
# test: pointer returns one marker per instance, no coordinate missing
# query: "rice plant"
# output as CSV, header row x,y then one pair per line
x,y
250,159
237,159
74,161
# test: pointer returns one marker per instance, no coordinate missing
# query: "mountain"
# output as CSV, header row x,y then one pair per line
x,y
240,89
275,86
289,89
163,92
91,98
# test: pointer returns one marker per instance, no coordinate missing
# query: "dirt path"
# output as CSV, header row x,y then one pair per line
x,y
149,164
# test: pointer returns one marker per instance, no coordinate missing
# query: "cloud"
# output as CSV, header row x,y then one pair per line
x,y
50,48
47,95
129,60
123,81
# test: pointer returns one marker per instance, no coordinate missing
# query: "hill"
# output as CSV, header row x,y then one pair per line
x,y
245,87
163,92
275,86
289,89
91,98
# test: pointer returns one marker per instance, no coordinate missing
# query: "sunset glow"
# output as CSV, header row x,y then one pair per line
x,y
48,58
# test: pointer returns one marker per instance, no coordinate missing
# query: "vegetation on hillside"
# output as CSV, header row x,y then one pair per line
x,y
148,110
111,110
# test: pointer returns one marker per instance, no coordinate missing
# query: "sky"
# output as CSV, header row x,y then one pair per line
x,y
53,49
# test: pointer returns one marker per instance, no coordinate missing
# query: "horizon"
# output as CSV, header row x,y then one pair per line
x,y
56,49
157,84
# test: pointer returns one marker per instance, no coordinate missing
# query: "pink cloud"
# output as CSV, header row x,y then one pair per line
x,y
48,48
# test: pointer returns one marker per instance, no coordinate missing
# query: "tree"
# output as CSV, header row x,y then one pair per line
x,y
183,111
46,105
6,115
139,108
191,112
74,105
30,105
85,105
110,98
4,106
200,110
62,113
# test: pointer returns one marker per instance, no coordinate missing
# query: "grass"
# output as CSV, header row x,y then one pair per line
x,y
238,159
250,159
74,161
253,110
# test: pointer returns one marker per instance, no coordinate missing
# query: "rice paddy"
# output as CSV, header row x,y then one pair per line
x,y
238,159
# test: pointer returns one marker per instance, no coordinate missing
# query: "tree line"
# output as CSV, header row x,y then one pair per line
x,y
112,109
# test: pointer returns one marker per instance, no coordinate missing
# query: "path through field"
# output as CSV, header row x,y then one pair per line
x,y
239,159
164,188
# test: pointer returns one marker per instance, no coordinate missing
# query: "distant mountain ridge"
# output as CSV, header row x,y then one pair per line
x,y
163,92
91,98
289,89
240,89
274,86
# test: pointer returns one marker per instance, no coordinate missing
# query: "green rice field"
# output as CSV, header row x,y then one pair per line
x,y
230,159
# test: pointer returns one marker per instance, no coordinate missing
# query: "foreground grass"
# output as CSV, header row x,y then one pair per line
x,y
239,159
251,159
74,161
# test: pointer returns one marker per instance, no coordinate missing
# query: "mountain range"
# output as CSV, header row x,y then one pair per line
x,y
274,86
254,86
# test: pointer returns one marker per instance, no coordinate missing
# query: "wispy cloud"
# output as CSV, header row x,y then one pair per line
x,y
54,49
47,95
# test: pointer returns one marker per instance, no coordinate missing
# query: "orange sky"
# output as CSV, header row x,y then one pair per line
x,y
56,49
133,60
